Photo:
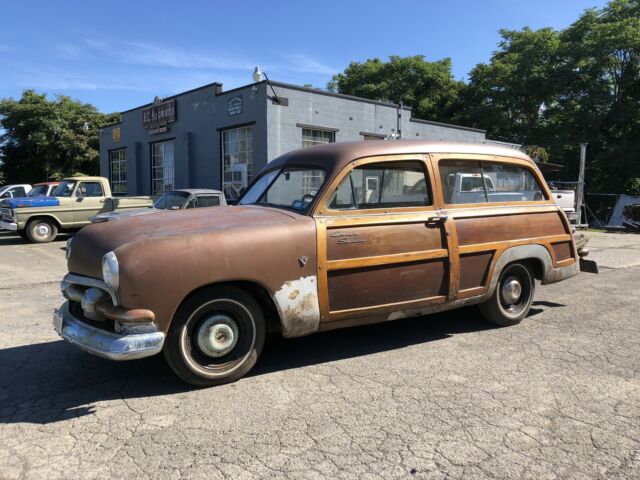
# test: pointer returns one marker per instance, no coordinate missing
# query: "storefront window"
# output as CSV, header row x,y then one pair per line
x,y
162,167
237,160
118,169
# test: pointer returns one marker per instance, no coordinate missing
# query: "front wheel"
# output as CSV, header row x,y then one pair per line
x,y
41,230
216,337
512,298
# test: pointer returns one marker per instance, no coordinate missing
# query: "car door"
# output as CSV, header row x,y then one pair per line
x,y
89,201
383,247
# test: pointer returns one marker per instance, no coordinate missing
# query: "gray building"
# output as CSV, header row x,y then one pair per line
x,y
209,138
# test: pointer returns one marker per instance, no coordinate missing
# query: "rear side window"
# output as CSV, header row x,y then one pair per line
x,y
482,182
90,189
383,185
207,201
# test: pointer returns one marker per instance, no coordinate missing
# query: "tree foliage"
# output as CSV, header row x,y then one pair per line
x,y
428,87
549,88
48,139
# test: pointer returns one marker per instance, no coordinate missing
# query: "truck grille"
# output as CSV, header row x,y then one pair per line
x,y
6,214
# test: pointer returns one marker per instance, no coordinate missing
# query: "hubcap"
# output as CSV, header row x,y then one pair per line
x,y
42,230
511,290
217,335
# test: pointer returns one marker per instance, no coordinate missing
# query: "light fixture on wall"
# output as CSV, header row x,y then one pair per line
x,y
257,77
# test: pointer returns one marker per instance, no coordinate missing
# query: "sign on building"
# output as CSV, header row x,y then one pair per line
x,y
234,107
156,117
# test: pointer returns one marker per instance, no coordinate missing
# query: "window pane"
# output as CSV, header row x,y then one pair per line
x,y
312,137
462,182
162,167
118,168
294,188
237,160
510,183
388,185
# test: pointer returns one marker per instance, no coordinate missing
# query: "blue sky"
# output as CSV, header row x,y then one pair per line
x,y
118,55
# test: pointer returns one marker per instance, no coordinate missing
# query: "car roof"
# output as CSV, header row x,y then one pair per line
x,y
336,155
46,183
195,191
89,179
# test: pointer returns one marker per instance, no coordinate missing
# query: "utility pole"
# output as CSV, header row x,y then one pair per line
x,y
580,192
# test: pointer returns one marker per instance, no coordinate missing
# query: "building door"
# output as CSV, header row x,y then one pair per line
x,y
383,245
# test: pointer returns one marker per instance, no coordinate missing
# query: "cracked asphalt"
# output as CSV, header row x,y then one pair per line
x,y
444,396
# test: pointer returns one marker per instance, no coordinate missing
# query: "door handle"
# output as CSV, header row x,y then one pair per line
x,y
438,218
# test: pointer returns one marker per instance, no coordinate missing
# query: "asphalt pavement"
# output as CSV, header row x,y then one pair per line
x,y
442,396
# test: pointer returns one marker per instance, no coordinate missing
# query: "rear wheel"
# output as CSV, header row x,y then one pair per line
x,y
512,298
41,230
216,337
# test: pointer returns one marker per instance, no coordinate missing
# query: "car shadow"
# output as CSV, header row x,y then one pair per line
x,y
54,381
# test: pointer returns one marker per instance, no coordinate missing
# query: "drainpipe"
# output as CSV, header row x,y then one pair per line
x,y
580,192
399,125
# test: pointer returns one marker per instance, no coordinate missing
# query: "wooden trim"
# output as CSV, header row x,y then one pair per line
x,y
565,263
454,259
471,292
323,281
504,244
389,307
398,258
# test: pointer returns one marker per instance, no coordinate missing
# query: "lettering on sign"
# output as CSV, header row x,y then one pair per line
x,y
234,107
159,115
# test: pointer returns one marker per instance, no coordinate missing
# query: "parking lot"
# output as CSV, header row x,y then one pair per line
x,y
557,396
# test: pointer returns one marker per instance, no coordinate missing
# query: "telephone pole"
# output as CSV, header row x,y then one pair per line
x,y
580,192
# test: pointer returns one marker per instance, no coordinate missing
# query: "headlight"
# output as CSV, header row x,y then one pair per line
x,y
68,251
110,272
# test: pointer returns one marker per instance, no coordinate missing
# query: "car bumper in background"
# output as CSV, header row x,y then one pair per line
x,y
8,226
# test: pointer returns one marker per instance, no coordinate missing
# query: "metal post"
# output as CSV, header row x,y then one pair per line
x,y
580,192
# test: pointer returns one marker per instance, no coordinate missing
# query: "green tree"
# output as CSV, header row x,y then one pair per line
x,y
428,87
48,139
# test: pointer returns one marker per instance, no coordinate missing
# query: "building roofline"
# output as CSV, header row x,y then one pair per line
x,y
447,125
209,85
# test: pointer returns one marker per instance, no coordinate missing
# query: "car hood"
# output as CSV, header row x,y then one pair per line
x,y
94,241
22,202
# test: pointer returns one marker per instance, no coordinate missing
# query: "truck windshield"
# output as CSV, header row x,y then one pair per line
x,y
65,189
291,188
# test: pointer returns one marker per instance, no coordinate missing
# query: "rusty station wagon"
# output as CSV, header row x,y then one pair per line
x,y
326,237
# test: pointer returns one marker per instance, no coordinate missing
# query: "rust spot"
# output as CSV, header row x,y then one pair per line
x,y
294,294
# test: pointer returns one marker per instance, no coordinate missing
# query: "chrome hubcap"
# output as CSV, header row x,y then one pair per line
x,y
217,335
511,290
42,230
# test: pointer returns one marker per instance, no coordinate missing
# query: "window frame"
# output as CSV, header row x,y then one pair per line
x,y
322,202
113,182
152,145
251,167
479,160
310,128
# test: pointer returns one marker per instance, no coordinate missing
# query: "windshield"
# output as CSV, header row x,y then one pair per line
x,y
38,191
171,201
291,188
65,189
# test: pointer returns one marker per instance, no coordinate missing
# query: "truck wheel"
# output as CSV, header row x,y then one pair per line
x,y
512,298
41,230
215,337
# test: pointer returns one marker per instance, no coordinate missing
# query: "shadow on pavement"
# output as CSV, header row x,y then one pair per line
x,y
54,381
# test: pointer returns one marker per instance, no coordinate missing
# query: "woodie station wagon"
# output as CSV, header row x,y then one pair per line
x,y
326,237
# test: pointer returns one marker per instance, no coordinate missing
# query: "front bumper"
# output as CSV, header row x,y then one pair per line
x,y
4,225
105,344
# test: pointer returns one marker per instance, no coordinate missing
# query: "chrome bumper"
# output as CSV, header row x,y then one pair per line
x,y
4,225
102,343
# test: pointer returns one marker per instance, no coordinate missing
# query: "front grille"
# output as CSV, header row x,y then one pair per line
x,y
6,214
76,310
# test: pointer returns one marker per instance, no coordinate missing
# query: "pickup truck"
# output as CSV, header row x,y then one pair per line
x,y
74,201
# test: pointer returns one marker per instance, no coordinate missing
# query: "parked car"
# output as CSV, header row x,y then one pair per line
x,y
174,200
327,237
14,191
76,200
44,189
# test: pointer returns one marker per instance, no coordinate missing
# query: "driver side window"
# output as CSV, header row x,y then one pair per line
x,y
383,185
